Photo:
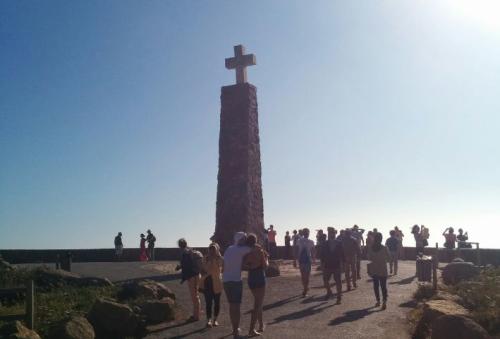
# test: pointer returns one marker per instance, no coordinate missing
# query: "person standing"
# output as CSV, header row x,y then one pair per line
x,y
419,240
288,247
143,256
351,253
231,277
379,256
399,235
332,258
295,239
118,246
212,283
256,262
462,239
271,240
392,244
151,239
305,258
450,238
357,233
190,272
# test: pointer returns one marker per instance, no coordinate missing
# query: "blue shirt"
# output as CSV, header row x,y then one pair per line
x,y
392,244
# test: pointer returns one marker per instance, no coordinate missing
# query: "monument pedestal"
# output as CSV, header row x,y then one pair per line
x,y
239,186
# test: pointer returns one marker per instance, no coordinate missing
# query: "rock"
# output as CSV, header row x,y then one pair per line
x,y
147,289
457,327
442,295
457,271
114,320
436,308
157,311
273,270
48,278
16,330
74,328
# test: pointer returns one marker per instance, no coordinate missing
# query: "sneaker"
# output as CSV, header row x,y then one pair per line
x,y
215,323
377,304
384,305
254,333
339,301
209,323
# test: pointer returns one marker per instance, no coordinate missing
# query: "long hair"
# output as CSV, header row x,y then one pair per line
x,y
377,242
216,248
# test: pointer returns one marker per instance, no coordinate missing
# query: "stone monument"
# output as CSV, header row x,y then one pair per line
x,y
239,186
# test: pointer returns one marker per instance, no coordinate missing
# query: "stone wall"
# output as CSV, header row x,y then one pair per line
x,y
239,186
488,256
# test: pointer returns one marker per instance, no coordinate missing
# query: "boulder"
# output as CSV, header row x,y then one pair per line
x,y
457,271
158,311
273,270
146,289
74,328
442,295
112,319
433,309
16,330
48,278
457,327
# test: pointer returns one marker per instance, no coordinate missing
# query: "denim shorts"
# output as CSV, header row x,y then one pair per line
x,y
234,291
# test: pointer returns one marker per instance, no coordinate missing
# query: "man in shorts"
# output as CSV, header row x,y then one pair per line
x,y
231,277
305,258
332,256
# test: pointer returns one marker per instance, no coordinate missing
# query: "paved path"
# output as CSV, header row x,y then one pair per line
x,y
287,314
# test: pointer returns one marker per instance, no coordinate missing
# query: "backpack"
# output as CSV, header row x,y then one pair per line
x,y
197,260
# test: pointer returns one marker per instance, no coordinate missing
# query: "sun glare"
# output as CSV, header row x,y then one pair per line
x,y
483,13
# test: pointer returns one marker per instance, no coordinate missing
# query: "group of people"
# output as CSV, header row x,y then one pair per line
x,y
337,252
147,252
213,273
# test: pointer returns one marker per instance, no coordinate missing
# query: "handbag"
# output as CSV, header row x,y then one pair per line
x,y
369,269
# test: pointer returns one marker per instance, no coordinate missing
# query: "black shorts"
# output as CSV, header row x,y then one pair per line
x,y
234,291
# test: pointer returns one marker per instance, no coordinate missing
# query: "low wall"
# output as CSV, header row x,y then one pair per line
x,y
487,256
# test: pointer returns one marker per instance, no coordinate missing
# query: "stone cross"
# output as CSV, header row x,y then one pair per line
x,y
240,61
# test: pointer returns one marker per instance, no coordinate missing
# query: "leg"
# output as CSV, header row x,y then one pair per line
x,y
337,276
396,263
347,267
253,317
208,302
358,267
216,306
234,314
375,289
326,281
353,272
305,271
383,287
193,290
260,303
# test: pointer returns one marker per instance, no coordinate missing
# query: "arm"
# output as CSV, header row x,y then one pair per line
x,y
444,233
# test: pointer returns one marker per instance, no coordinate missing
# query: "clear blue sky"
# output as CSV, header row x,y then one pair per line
x,y
378,113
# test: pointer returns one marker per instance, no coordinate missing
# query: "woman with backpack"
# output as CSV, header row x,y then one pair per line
x,y
190,272
256,262
306,258
379,256
212,282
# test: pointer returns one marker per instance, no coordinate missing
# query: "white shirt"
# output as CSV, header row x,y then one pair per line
x,y
233,258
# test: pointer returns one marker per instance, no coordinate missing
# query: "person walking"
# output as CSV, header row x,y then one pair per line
x,y
190,265
143,256
256,262
392,244
288,247
151,239
306,258
211,282
231,277
377,268
332,258
118,246
351,253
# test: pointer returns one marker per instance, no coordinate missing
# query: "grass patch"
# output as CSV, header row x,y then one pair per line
x,y
482,297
